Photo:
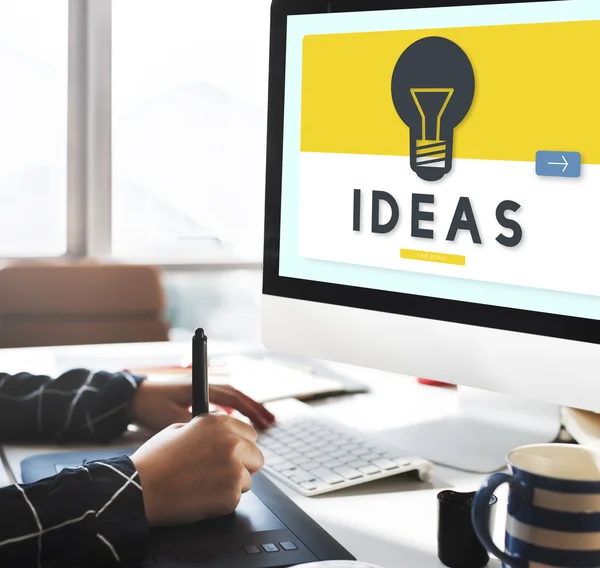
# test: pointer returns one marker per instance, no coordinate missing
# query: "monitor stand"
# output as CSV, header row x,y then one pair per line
x,y
486,428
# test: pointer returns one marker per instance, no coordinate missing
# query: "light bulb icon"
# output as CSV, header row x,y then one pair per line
x,y
433,86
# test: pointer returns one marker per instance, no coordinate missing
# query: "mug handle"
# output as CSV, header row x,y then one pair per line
x,y
481,513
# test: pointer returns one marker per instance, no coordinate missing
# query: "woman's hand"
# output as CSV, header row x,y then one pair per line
x,y
197,470
158,404
228,397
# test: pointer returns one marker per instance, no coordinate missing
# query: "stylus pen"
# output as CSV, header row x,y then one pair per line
x,y
199,374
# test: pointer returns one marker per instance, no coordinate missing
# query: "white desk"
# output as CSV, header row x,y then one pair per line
x,y
391,523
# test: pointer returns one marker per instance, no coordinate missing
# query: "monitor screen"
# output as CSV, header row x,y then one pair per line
x,y
445,152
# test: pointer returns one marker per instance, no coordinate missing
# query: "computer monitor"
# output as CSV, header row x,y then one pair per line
x,y
432,203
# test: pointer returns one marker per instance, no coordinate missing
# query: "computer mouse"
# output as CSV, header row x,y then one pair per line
x,y
337,564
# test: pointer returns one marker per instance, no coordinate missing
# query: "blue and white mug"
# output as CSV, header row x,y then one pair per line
x,y
553,507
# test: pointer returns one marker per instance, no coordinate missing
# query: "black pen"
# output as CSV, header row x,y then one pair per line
x,y
199,374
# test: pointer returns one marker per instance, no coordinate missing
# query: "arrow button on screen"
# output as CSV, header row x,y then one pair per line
x,y
558,164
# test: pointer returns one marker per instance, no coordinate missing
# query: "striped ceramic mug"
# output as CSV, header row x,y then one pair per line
x,y
553,507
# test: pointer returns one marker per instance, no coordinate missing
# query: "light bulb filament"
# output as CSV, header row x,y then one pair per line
x,y
431,150
414,92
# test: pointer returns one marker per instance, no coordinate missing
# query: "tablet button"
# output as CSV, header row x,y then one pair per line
x,y
252,549
288,545
270,548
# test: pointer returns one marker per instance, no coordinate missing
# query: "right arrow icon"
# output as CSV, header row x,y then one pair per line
x,y
558,164
563,163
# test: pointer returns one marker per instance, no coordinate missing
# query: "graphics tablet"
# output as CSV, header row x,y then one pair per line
x,y
267,530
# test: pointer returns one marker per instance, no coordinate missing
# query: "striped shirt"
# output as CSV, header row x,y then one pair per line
x,y
90,516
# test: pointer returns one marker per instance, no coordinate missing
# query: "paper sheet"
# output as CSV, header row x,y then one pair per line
x,y
262,379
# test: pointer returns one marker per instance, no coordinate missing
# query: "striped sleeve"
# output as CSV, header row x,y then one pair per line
x,y
80,405
87,516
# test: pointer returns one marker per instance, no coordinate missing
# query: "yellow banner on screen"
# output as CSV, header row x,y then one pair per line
x,y
429,256
536,88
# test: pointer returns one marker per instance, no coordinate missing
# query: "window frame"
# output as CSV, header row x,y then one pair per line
x,y
89,148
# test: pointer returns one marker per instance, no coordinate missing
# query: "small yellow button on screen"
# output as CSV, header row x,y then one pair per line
x,y
427,256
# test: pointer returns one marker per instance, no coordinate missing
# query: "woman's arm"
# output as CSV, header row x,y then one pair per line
x,y
89,516
98,514
80,405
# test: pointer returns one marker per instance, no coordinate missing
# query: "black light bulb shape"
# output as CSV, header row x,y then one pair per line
x,y
433,86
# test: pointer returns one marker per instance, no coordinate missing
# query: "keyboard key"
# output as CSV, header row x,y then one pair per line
x,y
301,460
274,460
337,440
337,453
279,432
291,455
288,545
348,472
284,465
270,547
321,458
347,458
252,549
311,465
358,451
400,460
310,485
358,463
385,464
290,472
369,469
330,464
327,476
370,457
305,437
312,453
301,476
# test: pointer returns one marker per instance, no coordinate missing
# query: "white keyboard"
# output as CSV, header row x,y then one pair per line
x,y
315,455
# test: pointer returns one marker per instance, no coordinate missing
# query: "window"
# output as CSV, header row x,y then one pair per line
x,y
189,104
33,133
164,105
